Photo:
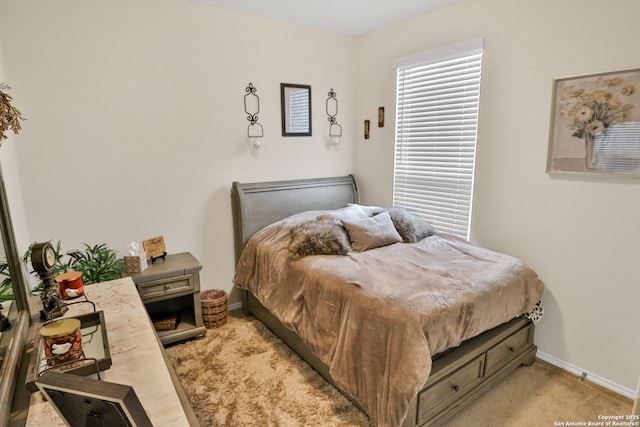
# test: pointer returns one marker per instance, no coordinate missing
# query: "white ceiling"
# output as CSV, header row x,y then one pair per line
x,y
350,17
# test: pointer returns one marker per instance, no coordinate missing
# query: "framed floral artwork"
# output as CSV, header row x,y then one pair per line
x,y
595,125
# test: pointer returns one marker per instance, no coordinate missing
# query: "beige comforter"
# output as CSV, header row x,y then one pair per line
x,y
376,317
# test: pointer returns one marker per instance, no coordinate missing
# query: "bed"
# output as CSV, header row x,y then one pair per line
x,y
406,353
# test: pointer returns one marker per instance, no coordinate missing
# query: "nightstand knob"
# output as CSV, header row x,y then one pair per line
x,y
167,287
455,387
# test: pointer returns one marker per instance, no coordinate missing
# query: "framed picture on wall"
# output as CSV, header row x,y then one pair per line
x,y
295,105
595,125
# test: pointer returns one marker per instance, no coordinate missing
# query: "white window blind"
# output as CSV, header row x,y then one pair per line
x,y
437,99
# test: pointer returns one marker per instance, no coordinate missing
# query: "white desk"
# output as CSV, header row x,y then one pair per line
x,y
137,357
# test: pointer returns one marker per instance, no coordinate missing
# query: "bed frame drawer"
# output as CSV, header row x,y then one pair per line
x,y
504,350
449,389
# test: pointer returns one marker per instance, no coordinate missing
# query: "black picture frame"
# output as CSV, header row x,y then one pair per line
x,y
85,402
295,107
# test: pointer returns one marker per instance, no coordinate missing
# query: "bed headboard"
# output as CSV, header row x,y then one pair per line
x,y
256,205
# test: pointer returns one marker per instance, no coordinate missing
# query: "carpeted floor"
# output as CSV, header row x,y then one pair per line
x,y
242,375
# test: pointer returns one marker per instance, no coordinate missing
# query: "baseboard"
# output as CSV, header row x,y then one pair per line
x,y
589,376
234,306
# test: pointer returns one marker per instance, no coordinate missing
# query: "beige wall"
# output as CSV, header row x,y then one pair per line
x,y
136,124
580,234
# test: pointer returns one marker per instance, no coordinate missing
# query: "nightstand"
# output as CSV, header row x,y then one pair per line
x,y
172,287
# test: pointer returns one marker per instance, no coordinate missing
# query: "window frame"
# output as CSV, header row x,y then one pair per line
x,y
434,167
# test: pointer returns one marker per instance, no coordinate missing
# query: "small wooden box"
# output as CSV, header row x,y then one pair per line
x,y
135,263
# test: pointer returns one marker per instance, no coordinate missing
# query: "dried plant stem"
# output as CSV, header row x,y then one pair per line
x,y
10,116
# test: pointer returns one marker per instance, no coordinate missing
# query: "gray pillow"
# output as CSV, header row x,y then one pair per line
x,y
320,237
410,226
372,232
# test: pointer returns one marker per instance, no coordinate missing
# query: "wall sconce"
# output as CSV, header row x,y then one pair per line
x,y
252,108
335,130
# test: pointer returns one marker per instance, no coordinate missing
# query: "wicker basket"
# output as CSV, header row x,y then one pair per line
x,y
214,307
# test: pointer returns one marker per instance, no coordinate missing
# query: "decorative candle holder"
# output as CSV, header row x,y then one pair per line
x,y
62,341
255,132
70,284
335,129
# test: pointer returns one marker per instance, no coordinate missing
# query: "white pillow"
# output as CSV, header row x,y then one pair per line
x,y
349,213
369,210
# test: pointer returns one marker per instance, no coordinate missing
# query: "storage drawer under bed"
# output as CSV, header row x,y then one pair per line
x,y
441,394
447,395
502,352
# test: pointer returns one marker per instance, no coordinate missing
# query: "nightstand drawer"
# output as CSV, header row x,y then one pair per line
x,y
506,348
168,286
448,389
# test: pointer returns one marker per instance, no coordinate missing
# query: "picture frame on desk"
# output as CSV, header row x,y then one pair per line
x,y
84,401
154,248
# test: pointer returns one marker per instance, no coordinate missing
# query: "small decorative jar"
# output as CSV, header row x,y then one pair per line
x,y
62,341
70,284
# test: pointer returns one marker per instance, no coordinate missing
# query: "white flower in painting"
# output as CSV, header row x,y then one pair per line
x,y
584,113
628,90
612,82
595,127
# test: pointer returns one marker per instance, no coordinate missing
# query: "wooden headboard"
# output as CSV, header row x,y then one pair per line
x,y
256,205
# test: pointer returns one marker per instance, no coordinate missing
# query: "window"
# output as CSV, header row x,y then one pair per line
x,y
437,98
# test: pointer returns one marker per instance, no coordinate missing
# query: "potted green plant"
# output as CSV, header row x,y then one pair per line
x,y
97,263
6,290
